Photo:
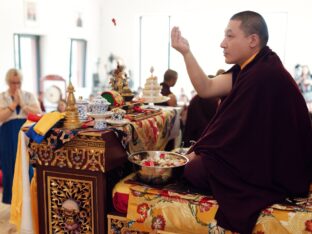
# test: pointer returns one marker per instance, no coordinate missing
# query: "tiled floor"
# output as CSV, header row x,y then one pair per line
x,y
5,226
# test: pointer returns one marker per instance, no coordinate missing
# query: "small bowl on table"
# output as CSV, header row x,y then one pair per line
x,y
127,96
158,167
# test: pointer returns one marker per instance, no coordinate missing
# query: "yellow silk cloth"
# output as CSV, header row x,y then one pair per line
x,y
150,208
18,186
169,211
34,203
47,122
151,133
17,189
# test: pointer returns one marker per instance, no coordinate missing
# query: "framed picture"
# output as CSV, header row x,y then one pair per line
x,y
31,12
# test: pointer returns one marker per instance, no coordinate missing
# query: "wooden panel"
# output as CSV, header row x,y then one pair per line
x,y
74,192
71,200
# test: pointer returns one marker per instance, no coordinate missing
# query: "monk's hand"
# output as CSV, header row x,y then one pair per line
x,y
191,156
178,42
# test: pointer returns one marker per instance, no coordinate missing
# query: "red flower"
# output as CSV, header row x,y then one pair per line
x,y
114,21
267,211
158,223
141,218
204,204
148,163
143,208
162,155
308,225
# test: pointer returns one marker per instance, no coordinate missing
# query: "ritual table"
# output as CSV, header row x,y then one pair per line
x,y
74,182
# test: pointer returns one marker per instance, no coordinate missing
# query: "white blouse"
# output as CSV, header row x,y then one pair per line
x,y
28,98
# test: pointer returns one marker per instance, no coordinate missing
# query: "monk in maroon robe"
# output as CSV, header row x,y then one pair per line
x,y
256,151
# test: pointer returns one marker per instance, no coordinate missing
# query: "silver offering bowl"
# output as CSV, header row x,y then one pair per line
x,y
158,167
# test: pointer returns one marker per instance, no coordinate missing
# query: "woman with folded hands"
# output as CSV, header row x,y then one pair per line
x,y
15,105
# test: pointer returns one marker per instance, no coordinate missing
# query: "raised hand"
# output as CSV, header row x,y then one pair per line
x,y
178,42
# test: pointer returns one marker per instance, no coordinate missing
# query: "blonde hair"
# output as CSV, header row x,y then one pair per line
x,y
13,72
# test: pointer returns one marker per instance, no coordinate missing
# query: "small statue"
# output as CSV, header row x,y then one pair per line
x,y
119,83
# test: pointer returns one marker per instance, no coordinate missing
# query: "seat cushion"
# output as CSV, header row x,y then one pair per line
x,y
151,208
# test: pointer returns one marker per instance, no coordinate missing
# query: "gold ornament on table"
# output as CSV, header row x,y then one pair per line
x,y
119,83
72,118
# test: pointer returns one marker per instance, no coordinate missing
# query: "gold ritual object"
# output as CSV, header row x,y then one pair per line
x,y
71,117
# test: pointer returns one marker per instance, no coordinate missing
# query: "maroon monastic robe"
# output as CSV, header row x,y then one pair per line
x,y
199,112
256,151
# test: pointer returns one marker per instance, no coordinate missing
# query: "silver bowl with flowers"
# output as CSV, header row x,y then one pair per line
x,y
158,167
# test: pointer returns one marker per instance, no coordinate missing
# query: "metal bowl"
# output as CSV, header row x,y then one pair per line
x,y
158,167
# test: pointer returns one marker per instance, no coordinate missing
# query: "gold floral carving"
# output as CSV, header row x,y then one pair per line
x,y
82,153
121,225
70,205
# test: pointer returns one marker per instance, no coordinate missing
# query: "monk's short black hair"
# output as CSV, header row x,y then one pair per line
x,y
253,23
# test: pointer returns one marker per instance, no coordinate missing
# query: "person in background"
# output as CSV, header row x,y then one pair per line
x,y
15,104
305,80
61,105
260,132
170,79
297,72
199,113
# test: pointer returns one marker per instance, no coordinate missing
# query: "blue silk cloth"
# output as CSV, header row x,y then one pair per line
x,y
9,138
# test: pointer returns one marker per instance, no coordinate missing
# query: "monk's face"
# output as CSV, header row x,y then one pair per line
x,y
236,44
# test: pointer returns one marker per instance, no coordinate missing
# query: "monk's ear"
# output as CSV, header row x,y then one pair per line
x,y
254,40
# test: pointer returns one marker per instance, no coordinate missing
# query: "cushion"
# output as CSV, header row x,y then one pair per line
x,y
165,209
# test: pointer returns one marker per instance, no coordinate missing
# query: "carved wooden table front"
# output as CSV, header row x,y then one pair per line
x,y
74,182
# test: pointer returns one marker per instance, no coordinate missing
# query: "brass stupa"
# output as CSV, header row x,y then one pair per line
x,y
71,117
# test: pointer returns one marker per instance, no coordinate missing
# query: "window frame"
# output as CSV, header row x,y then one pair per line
x,y
84,44
17,37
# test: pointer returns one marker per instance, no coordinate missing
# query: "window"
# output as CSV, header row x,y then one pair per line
x,y
77,62
27,59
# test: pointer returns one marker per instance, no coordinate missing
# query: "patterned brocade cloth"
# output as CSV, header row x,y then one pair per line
x,y
183,212
151,133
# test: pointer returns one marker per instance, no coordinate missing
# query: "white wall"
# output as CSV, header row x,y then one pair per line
x,y
56,25
291,40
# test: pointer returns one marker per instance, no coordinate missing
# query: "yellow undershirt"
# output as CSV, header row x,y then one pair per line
x,y
248,61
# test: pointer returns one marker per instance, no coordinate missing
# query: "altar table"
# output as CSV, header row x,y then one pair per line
x,y
75,181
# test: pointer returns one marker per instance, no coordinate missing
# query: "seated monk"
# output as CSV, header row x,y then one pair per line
x,y
256,151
